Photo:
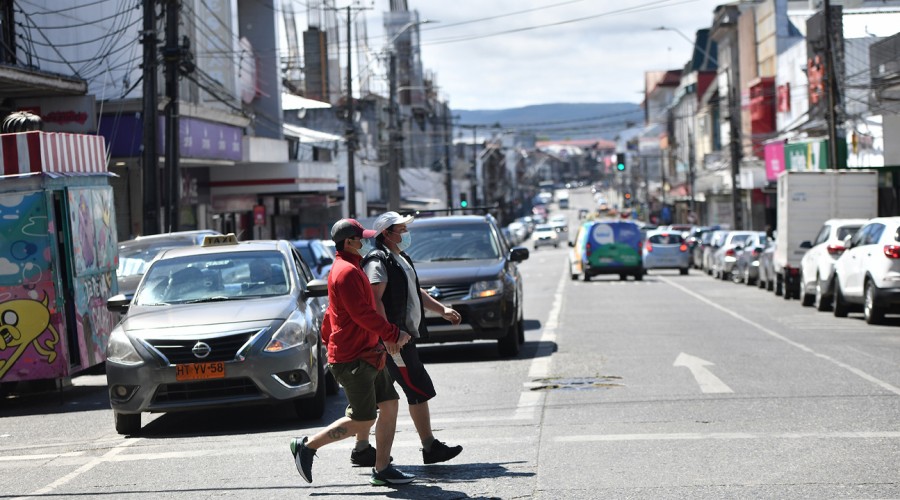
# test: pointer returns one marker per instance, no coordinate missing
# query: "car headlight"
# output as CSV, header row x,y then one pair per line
x,y
120,350
291,334
481,289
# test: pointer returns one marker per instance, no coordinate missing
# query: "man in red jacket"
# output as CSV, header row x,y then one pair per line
x,y
353,331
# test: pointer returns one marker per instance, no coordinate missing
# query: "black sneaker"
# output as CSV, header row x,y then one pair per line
x,y
303,458
364,458
440,452
390,476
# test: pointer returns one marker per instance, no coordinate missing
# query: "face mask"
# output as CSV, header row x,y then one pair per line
x,y
405,240
366,247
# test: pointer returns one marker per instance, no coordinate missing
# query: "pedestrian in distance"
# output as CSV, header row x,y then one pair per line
x,y
400,299
354,332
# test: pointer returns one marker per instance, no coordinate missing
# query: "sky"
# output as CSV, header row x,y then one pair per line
x,y
499,54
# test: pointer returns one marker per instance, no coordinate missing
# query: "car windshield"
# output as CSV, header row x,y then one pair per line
x,y
307,255
134,261
435,243
845,231
214,277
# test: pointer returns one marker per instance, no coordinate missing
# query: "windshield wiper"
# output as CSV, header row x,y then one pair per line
x,y
217,298
445,259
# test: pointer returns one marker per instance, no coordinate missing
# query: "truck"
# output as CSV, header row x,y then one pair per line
x,y
805,200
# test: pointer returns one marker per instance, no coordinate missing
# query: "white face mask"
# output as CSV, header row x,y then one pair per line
x,y
366,247
405,241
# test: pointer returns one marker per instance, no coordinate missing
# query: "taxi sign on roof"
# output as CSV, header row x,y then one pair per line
x,y
219,239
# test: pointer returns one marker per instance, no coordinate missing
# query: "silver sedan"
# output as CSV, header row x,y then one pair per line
x,y
216,325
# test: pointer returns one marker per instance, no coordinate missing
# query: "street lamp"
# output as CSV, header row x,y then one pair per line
x,y
394,135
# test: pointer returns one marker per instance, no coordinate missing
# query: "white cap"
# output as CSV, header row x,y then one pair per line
x,y
388,219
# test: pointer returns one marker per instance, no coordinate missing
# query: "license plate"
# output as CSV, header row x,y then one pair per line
x,y
200,371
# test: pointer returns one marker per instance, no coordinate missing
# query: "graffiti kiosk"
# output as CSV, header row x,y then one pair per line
x,y
57,255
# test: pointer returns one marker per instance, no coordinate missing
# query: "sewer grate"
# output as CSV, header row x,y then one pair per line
x,y
576,383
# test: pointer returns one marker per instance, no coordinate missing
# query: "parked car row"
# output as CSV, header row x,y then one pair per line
x,y
852,265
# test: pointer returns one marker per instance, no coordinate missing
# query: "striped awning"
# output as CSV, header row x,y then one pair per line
x,y
52,152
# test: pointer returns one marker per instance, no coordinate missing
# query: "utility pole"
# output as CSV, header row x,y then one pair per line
x,y
393,140
831,88
149,154
735,123
172,54
351,129
448,138
474,166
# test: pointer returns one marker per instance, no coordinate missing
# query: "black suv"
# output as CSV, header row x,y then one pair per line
x,y
465,262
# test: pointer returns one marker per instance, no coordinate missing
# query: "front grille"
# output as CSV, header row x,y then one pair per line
x,y
177,351
448,292
205,390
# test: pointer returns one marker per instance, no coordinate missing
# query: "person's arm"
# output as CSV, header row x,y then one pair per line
x,y
359,303
448,313
378,292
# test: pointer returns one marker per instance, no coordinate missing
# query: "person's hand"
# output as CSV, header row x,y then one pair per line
x,y
451,315
391,348
394,347
403,339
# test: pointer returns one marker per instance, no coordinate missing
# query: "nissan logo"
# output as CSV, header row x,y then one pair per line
x,y
201,350
435,292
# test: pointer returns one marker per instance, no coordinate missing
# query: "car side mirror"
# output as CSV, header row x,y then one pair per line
x,y
119,303
316,288
806,244
518,254
848,241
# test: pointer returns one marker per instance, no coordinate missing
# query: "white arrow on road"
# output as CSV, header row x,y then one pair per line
x,y
709,383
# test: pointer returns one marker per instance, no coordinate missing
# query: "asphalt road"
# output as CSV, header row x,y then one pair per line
x,y
672,387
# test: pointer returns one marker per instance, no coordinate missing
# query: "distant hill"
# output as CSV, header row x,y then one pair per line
x,y
559,120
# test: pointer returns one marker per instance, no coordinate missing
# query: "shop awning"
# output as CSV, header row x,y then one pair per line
x,y
277,178
310,136
291,102
42,152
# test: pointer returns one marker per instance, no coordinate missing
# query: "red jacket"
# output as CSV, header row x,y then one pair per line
x,y
352,324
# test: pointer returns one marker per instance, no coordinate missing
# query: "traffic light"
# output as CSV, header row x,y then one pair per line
x,y
463,201
620,162
628,200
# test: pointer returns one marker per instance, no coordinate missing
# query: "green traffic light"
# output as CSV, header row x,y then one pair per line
x,y
620,167
464,203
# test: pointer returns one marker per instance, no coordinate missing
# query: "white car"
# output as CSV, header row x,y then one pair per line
x,y
817,265
867,274
545,235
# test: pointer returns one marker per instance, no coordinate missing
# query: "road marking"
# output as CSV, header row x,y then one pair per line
x,y
856,371
709,383
108,456
694,436
44,456
530,401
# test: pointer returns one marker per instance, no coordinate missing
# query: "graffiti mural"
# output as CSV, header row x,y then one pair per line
x,y
29,320
94,252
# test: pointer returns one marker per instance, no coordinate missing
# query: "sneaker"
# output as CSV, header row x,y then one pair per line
x,y
364,458
303,458
440,452
390,476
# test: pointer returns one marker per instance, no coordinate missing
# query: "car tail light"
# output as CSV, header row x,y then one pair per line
x,y
892,251
587,249
839,249
649,247
729,252
683,247
756,252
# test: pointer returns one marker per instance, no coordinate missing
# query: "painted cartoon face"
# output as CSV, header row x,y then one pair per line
x,y
21,323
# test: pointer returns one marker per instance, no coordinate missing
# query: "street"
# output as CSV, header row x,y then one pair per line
x,y
671,387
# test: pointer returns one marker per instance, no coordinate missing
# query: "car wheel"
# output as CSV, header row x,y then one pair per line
x,y
839,307
521,329
585,276
639,275
684,271
508,345
314,407
127,423
623,277
821,301
873,313
806,299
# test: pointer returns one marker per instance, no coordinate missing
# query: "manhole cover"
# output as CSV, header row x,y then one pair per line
x,y
576,383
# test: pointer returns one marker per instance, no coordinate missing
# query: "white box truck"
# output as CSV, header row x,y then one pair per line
x,y
806,199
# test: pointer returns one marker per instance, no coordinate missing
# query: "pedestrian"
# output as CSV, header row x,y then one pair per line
x,y
400,299
353,331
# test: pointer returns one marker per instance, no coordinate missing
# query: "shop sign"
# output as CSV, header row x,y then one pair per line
x,y
259,215
805,156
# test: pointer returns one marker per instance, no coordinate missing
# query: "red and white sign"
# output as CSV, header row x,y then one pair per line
x,y
36,152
